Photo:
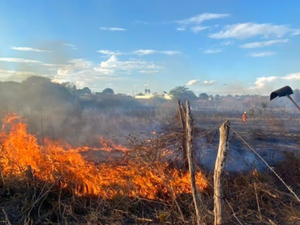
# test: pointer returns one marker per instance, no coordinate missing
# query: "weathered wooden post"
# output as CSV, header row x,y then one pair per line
x,y
190,157
218,173
182,118
181,114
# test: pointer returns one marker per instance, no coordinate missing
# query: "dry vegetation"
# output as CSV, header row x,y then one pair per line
x,y
53,183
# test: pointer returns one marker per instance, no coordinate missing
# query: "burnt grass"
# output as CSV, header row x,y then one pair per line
x,y
251,197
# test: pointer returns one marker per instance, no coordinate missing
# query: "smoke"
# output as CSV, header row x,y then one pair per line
x,y
54,111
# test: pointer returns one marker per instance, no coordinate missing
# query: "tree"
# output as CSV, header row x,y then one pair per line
x,y
108,91
84,91
71,87
182,93
203,96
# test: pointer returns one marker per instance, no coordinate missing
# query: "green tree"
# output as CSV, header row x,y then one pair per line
x,y
203,96
182,93
84,91
108,91
69,86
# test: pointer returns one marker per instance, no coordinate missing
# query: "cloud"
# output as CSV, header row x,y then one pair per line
x,y
28,49
196,20
113,68
180,28
262,54
268,84
70,45
139,52
292,77
113,64
28,61
108,52
150,51
197,29
199,83
144,52
263,43
113,28
209,82
212,51
193,82
248,30
20,60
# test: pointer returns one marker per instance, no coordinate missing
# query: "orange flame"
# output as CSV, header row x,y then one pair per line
x,y
57,162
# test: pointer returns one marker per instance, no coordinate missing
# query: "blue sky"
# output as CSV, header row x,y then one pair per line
x,y
217,47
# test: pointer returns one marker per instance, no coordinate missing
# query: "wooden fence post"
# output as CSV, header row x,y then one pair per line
x,y
181,114
182,118
218,173
190,157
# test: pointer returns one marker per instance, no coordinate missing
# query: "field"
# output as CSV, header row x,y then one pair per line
x,y
126,167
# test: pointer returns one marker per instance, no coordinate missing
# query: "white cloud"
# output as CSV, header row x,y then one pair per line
x,y
263,43
150,51
139,52
113,28
193,82
169,52
261,81
113,64
201,18
262,54
209,82
20,60
86,71
28,61
212,51
180,28
266,85
144,52
28,49
108,52
197,29
198,82
292,77
247,30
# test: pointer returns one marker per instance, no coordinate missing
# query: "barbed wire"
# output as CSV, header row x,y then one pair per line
x,y
264,161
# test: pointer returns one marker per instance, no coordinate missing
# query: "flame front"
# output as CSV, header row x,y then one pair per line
x,y
59,162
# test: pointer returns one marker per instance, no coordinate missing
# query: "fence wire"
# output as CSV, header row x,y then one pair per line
x,y
264,161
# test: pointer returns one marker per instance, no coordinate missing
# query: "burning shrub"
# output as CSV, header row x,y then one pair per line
x,y
60,163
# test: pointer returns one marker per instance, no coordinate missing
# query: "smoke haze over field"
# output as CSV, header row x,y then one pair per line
x,y
54,111
80,117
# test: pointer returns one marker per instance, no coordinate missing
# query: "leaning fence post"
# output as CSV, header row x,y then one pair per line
x,y
218,173
190,157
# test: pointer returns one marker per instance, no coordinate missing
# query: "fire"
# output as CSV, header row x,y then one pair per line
x,y
59,162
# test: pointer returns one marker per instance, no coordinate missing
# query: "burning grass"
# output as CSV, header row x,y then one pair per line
x,y
54,183
56,162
